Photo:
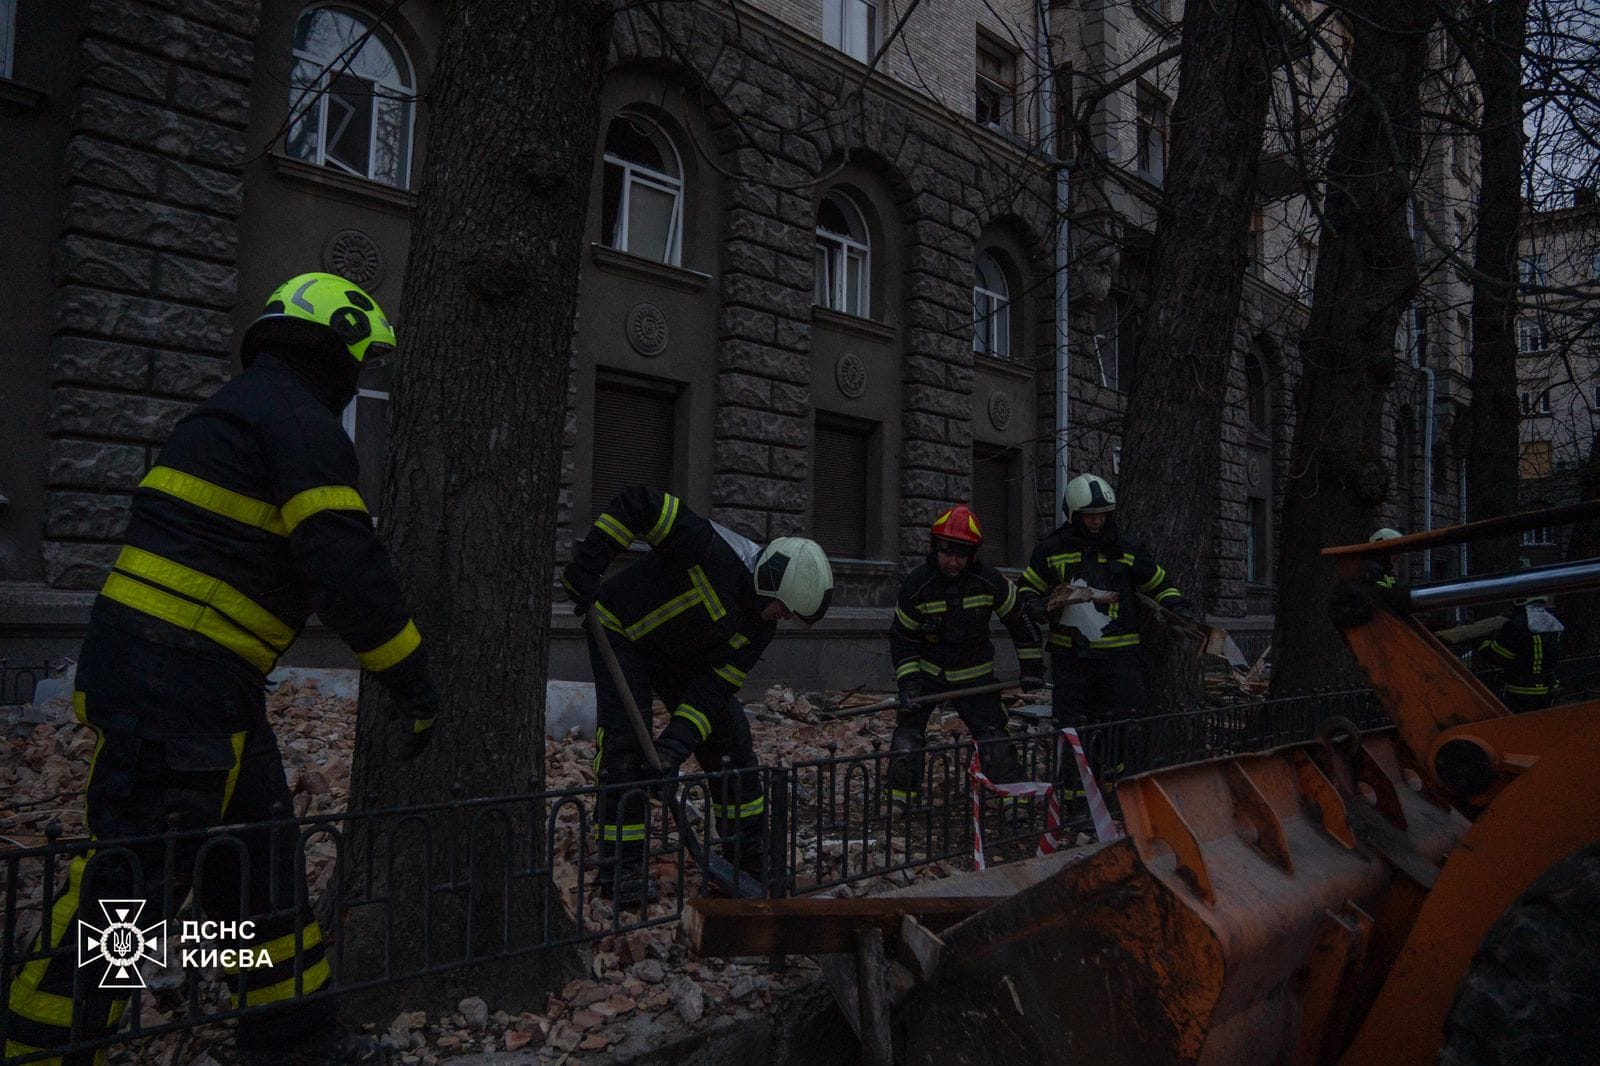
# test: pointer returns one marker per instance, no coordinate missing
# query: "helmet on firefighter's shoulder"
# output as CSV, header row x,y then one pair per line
x,y
1089,494
1386,533
795,571
957,531
324,313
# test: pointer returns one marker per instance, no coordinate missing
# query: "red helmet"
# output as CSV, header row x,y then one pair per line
x,y
958,525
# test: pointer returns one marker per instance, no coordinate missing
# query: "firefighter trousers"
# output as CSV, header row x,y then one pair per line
x,y
985,719
179,746
736,797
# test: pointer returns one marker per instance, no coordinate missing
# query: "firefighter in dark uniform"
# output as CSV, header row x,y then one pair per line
x,y
1380,568
687,622
248,521
1097,678
1528,650
939,641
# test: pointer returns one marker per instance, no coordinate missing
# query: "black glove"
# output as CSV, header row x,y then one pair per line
x,y
1034,607
1180,607
1032,674
910,688
673,753
581,586
413,724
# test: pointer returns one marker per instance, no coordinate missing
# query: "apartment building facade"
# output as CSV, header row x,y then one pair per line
x,y
827,288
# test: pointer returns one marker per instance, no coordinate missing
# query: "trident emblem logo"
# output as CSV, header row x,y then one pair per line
x,y
122,945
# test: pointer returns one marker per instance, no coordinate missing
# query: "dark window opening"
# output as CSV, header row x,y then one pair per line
x,y
634,436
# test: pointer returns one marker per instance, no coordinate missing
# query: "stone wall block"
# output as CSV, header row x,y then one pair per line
x,y
763,426
196,281
241,17
735,354
219,99
762,493
793,463
131,318
748,323
744,390
164,131
88,412
791,399
130,218
742,456
86,515
77,566
193,377
934,456
112,166
220,192
938,401
171,35
929,486
748,258
82,361
122,70
918,426
794,333
104,264
88,464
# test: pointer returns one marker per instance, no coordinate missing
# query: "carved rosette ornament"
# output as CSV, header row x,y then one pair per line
x,y
647,329
352,254
850,372
999,409
1252,471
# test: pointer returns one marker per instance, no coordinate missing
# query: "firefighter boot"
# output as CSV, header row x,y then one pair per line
x,y
905,769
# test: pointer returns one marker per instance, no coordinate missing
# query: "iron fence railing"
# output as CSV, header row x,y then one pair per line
x,y
448,885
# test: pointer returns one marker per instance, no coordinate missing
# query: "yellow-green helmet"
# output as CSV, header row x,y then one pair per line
x,y
306,308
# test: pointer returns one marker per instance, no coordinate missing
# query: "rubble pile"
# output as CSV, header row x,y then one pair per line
x,y
642,987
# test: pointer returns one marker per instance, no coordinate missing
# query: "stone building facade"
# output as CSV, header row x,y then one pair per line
x,y
821,293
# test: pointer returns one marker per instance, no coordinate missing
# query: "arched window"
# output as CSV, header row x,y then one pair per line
x,y
844,257
352,96
641,209
991,308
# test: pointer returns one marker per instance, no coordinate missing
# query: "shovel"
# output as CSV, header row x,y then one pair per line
x,y
720,870
927,697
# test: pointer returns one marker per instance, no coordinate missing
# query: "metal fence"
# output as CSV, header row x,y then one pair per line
x,y
455,884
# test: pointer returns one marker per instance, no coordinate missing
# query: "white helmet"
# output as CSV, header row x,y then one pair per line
x,y
1089,494
1385,533
795,571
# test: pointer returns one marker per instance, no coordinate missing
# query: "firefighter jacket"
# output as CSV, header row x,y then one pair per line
x,y
941,624
1110,562
1529,647
690,606
248,522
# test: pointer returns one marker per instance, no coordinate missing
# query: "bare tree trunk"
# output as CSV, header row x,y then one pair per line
x,y
1366,276
1173,428
471,492
1492,45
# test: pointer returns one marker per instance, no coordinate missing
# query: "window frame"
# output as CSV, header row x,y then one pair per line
x,y
987,87
1529,328
349,421
308,99
991,309
834,254
639,174
837,26
1152,139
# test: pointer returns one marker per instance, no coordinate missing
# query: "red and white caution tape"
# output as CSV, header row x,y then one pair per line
x,y
980,784
1105,828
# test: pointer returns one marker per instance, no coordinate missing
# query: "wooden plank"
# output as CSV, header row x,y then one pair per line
x,y
813,926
